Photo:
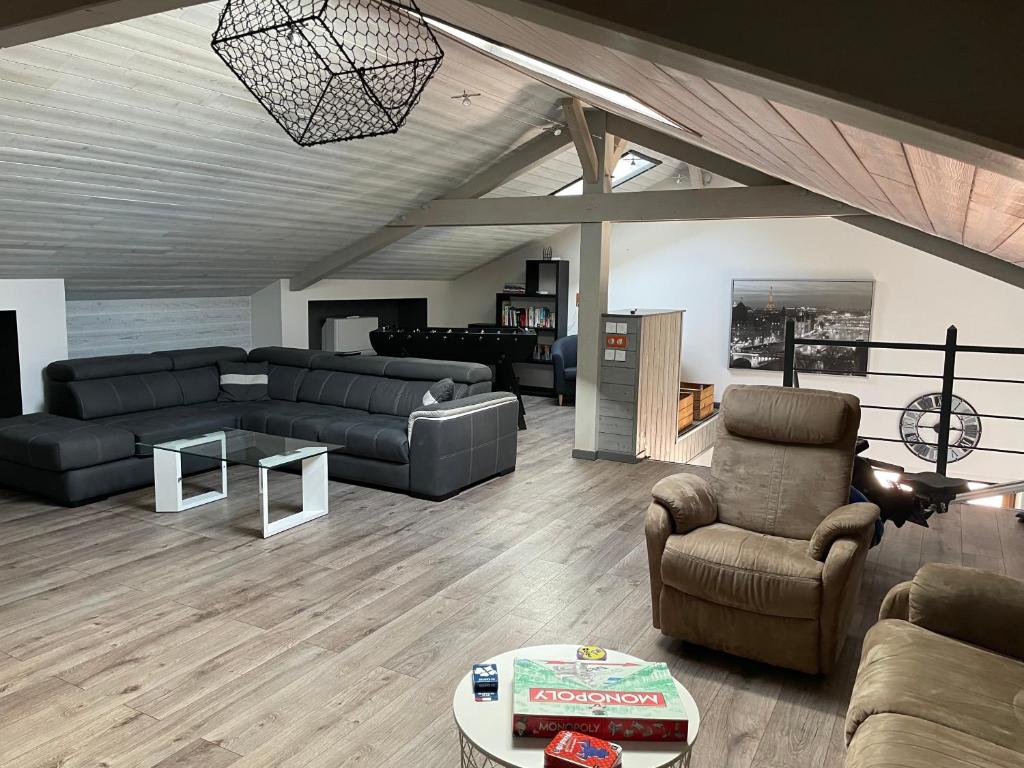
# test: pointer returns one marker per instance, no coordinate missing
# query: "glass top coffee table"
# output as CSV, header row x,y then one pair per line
x,y
254,449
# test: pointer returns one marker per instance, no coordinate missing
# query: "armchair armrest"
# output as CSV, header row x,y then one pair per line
x,y
460,442
977,607
688,499
896,604
853,520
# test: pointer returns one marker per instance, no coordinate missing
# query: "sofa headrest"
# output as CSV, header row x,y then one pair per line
x,y
785,415
201,357
408,368
85,368
296,358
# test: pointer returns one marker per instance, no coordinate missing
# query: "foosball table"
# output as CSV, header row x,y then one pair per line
x,y
496,346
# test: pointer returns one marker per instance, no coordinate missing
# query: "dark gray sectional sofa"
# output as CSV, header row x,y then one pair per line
x,y
85,447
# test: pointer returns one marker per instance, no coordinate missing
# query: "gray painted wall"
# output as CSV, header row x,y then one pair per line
x,y
120,326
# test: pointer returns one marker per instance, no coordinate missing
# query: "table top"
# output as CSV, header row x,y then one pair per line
x,y
239,446
488,725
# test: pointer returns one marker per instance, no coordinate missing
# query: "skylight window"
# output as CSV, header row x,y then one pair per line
x,y
630,165
571,79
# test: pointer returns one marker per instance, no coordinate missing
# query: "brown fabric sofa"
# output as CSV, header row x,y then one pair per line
x,y
765,559
941,678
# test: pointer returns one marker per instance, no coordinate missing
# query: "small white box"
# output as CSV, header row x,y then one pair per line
x,y
620,355
609,354
609,327
622,328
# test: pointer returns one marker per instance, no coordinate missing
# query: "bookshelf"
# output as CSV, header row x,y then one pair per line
x,y
543,307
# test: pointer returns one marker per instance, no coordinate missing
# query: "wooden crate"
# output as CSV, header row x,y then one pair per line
x,y
685,410
703,398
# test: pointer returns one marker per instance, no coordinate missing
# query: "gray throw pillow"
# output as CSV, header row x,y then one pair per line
x,y
441,392
243,382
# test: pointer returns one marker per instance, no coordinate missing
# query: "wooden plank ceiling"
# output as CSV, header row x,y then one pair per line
x,y
936,194
133,163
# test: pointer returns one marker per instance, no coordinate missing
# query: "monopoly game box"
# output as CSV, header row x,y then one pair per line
x,y
634,701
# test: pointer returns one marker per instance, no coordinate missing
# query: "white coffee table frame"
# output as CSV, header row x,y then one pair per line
x,y
485,728
167,481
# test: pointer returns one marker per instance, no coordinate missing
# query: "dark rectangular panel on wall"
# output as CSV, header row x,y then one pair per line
x,y
398,313
10,365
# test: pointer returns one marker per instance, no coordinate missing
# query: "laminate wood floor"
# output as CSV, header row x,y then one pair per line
x,y
135,640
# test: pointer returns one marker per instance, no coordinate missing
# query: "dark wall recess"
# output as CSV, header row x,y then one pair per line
x,y
10,365
396,313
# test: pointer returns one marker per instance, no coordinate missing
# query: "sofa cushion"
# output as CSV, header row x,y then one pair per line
x,y
55,443
84,368
204,357
908,670
884,741
741,569
570,373
373,394
373,436
406,368
98,398
441,392
173,423
283,418
396,397
198,385
243,382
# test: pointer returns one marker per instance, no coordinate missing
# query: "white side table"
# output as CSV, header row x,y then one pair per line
x,y
485,728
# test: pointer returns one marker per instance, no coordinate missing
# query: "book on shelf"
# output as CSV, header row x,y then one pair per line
x,y
630,701
542,352
528,317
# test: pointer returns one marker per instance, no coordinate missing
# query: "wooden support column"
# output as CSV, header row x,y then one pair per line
x,y
595,240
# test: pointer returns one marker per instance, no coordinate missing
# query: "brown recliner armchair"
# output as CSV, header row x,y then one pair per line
x,y
765,560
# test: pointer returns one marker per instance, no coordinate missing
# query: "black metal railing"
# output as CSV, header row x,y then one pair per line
x,y
950,349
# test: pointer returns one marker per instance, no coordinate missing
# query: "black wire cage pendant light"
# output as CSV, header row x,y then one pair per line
x,y
330,70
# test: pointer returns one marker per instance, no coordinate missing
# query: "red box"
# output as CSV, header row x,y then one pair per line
x,y
574,750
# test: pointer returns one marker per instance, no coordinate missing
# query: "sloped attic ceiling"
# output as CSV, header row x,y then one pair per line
x,y
133,163
938,195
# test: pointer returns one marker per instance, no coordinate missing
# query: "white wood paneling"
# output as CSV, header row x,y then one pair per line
x,y
122,326
876,173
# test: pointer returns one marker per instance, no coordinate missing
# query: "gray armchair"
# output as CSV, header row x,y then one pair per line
x,y
563,355
765,559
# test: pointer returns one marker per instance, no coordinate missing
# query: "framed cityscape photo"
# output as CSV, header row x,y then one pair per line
x,y
821,309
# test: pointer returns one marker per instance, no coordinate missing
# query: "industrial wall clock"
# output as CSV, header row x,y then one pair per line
x,y
919,426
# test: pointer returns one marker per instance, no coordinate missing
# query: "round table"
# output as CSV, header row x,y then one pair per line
x,y
485,728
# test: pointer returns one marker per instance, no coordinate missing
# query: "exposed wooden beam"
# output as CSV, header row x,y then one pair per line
x,y
886,68
511,165
25,21
580,132
783,201
689,153
619,148
976,261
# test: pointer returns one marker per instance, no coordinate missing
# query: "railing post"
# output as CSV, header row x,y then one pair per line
x,y
789,354
946,405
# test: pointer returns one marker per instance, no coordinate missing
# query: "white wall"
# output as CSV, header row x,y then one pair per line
x,y
281,316
42,331
691,265
125,326
265,311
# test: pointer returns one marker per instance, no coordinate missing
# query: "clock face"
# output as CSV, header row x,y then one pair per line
x,y
917,429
